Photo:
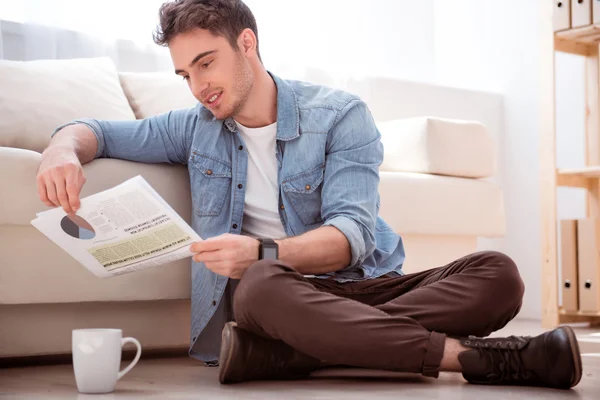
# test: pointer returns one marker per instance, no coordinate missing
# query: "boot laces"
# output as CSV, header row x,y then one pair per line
x,y
505,359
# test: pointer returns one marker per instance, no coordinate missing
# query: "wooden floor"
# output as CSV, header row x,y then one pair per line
x,y
185,378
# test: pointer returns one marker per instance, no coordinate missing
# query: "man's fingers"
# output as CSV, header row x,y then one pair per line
x,y
208,256
73,190
51,191
219,268
42,192
61,194
211,244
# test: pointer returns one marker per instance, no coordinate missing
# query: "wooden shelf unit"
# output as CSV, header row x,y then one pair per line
x,y
580,178
585,42
581,41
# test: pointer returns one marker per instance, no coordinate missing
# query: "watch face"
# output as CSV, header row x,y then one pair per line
x,y
269,253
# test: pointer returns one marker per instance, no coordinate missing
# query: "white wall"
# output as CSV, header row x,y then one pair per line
x,y
492,45
350,37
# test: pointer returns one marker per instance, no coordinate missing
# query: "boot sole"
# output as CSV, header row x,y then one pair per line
x,y
228,347
576,354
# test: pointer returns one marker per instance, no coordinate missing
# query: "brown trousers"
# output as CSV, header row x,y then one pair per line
x,y
390,323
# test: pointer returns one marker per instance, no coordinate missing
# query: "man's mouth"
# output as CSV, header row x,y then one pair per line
x,y
213,99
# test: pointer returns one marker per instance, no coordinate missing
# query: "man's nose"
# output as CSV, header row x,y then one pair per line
x,y
199,88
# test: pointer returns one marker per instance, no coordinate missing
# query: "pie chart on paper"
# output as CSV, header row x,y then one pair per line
x,y
76,226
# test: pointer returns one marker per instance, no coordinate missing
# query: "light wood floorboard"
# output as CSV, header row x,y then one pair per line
x,y
185,378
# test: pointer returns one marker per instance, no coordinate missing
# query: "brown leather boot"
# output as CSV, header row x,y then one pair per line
x,y
551,359
246,357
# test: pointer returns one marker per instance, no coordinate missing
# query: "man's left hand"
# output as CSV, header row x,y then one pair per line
x,y
228,255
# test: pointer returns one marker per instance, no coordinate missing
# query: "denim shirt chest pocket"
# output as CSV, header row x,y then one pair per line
x,y
212,178
303,191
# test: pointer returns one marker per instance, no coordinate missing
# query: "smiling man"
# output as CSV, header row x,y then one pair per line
x,y
298,271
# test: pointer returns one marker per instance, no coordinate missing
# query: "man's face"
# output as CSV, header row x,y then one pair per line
x,y
218,76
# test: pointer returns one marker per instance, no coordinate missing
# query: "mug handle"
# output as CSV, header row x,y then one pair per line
x,y
137,355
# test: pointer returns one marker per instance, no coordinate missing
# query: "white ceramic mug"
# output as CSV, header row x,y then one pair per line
x,y
97,358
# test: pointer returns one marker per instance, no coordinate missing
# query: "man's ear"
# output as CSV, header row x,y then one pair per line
x,y
247,41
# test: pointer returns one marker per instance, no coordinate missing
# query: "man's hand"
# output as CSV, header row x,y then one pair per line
x,y
228,255
60,179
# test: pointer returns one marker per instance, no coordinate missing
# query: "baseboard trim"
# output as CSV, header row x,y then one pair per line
x,y
64,358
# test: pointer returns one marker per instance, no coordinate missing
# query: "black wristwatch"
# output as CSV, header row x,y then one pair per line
x,y
268,249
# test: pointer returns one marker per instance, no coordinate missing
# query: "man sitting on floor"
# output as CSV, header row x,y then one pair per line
x,y
284,180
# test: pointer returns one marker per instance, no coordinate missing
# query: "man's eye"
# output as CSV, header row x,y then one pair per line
x,y
185,78
205,65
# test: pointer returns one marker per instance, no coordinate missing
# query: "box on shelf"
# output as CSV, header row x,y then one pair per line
x,y
562,14
568,258
581,13
588,263
595,11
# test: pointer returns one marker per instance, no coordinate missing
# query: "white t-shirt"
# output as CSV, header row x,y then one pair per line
x,y
261,205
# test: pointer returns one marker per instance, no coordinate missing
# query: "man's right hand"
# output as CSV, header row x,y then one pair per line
x,y
60,178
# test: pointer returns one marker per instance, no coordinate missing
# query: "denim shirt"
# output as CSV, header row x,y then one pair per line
x,y
328,156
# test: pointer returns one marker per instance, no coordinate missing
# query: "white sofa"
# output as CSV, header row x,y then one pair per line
x,y
437,190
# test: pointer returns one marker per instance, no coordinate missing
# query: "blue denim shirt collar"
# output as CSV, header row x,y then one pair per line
x,y
288,114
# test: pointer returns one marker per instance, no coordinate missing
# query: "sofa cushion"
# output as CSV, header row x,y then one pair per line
x,y
37,96
437,146
153,93
35,270
423,204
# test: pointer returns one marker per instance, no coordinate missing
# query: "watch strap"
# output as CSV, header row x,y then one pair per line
x,y
266,243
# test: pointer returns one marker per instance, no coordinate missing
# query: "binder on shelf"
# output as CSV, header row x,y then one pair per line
x,y
581,13
596,11
561,14
588,263
568,258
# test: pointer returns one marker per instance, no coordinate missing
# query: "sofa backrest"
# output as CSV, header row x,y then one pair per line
x,y
38,96
151,93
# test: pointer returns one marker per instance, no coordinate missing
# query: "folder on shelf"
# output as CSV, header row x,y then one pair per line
x,y
588,263
595,11
561,14
581,13
568,258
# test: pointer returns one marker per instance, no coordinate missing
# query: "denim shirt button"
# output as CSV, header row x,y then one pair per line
x,y
209,172
241,148
282,207
214,303
307,187
234,226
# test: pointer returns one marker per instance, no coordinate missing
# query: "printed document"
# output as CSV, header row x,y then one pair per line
x,y
120,230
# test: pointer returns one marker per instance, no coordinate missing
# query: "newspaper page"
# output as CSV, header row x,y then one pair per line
x,y
120,230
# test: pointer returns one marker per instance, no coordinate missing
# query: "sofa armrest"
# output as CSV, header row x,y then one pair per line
x,y
18,195
20,200
438,146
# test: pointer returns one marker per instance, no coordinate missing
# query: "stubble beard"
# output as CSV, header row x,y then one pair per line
x,y
244,82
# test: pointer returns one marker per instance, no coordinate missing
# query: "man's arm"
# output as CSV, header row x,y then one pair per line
x,y
60,174
317,252
349,198
163,138
78,139
231,255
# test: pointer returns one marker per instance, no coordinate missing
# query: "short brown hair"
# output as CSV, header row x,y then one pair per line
x,y
227,18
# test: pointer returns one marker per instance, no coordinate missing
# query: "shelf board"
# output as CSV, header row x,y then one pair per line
x,y
583,41
580,313
579,177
